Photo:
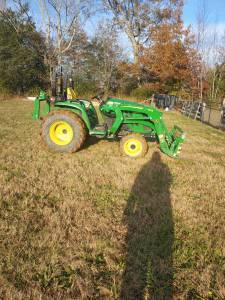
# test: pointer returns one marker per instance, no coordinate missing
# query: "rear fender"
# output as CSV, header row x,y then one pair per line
x,y
75,108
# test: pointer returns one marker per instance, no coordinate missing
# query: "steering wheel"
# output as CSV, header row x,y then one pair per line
x,y
98,98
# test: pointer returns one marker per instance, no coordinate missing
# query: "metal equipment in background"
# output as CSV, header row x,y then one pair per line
x,y
165,101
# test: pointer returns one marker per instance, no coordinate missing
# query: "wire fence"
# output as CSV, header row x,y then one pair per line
x,y
210,114
204,113
165,101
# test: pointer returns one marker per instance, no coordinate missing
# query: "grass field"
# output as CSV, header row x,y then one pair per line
x,y
96,225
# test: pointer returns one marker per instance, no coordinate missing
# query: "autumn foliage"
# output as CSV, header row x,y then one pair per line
x,y
157,54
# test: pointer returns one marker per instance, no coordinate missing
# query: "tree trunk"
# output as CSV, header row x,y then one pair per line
x,y
135,47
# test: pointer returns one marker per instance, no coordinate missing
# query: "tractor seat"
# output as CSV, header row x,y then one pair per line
x,y
71,94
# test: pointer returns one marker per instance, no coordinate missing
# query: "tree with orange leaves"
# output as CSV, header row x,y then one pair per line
x,y
171,61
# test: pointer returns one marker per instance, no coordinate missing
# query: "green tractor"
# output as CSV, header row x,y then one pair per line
x,y
69,121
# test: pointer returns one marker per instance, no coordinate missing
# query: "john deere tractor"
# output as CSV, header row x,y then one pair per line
x,y
67,122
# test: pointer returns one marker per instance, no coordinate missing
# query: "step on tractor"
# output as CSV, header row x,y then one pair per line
x,y
67,122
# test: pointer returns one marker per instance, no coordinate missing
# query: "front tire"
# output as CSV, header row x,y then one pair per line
x,y
134,145
63,131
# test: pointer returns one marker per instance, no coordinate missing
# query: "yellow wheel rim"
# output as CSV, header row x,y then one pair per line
x,y
132,147
61,133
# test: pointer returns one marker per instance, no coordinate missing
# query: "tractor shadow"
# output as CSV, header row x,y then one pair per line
x,y
148,272
92,140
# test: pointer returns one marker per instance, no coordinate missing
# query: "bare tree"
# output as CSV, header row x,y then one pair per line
x,y
110,54
208,45
202,41
217,69
2,5
133,17
60,19
138,17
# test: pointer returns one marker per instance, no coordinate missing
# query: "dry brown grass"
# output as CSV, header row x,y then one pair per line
x,y
96,225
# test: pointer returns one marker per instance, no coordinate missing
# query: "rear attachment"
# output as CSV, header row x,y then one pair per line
x,y
37,106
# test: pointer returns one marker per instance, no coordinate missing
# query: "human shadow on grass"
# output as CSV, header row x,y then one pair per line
x,y
148,270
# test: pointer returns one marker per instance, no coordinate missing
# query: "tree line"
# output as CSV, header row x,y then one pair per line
x,y
85,38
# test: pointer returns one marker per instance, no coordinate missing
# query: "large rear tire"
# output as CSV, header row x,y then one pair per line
x,y
63,131
134,145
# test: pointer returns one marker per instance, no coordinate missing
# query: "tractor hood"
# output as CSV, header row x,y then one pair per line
x,y
114,102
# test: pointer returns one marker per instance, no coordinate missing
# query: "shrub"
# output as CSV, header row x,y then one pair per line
x,y
142,92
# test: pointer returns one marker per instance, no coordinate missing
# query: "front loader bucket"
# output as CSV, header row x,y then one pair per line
x,y
170,141
177,136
